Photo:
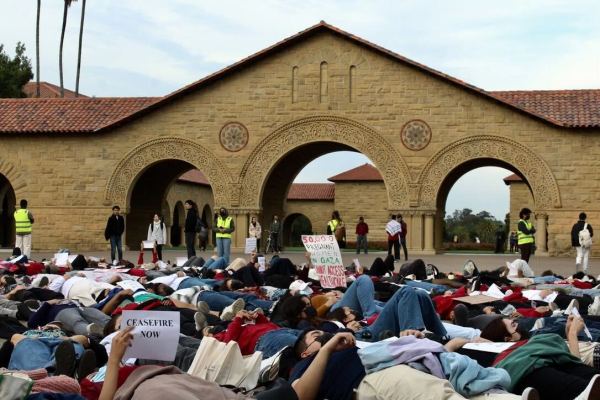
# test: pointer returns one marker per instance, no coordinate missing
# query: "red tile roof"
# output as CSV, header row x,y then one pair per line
x,y
311,191
365,172
571,108
47,91
194,176
512,178
66,115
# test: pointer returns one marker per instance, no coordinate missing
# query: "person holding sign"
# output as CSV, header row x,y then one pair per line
x,y
157,233
393,230
337,228
255,231
225,228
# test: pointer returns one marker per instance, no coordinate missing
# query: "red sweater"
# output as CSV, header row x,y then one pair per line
x,y
246,335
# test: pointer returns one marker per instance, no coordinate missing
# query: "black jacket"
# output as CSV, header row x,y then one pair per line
x,y
114,226
578,227
190,220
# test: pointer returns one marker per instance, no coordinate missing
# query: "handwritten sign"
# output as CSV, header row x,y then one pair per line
x,y
148,244
155,336
250,245
262,262
326,258
393,227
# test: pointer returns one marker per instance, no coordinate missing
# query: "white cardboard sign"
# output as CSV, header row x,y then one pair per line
x,y
326,258
250,245
61,259
155,336
180,261
262,264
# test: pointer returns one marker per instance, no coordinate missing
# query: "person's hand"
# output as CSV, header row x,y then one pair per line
x,y
142,246
574,325
120,343
489,310
307,255
543,309
167,302
126,293
341,341
243,314
412,332
515,315
354,326
479,339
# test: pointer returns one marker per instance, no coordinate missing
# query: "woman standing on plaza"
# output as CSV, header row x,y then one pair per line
x,y
157,233
255,231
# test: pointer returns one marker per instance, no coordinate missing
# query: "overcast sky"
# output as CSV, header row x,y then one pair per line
x,y
152,47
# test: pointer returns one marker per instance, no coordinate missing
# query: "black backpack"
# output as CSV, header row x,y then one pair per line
x,y
199,225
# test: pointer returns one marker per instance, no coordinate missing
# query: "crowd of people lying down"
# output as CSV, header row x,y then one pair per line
x,y
395,332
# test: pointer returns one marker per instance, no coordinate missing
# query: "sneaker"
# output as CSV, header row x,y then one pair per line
x,y
86,365
269,367
594,308
539,324
231,310
530,394
592,391
95,330
573,303
200,320
203,307
65,359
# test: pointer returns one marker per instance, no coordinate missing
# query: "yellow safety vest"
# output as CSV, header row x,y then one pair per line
x,y
333,224
22,222
224,223
524,238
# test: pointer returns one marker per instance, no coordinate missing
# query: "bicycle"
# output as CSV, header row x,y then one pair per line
x,y
268,243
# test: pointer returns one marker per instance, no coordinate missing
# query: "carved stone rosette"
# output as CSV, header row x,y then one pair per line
x,y
415,135
233,136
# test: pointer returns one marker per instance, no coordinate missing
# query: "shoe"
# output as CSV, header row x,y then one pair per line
x,y
203,307
231,310
32,304
86,365
200,320
95,330
594,308
259,310
573,303
592,391
269,367
530,394
539,324
65,359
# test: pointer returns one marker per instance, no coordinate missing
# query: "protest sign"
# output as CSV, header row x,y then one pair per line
x,y
155,336
326,258
130,284
262,264
180,261
148,244
250,246
60,259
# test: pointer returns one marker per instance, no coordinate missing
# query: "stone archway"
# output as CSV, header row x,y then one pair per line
x,y
323,128
132,166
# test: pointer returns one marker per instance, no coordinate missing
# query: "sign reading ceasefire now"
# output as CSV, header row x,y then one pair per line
x,y
155,336
326,258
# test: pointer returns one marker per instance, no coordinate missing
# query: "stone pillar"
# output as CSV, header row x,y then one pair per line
x,y
429,238
415,233
541,234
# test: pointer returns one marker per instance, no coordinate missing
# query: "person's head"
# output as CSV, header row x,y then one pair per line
x,y
310,342
399,217
582,216
116,210
231,285
188,204
504,330
335,215
525,213
157,218
361,219
297,308
23,203
393,217
160,289
6,280
275,218
223,212
253,220
344,315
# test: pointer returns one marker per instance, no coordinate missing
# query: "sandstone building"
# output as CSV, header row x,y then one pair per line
x,y
251,127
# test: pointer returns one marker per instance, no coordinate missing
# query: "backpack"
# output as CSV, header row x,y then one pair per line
x,y
585,238
199,225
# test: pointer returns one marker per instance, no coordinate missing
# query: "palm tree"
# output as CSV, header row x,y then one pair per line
x,y
62,39
79,52
37,49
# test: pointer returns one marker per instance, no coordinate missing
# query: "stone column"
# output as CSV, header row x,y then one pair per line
x,y
541,234
429,233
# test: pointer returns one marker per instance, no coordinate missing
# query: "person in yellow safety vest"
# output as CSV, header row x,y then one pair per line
x,y
525,232
336,227
225,227
23,223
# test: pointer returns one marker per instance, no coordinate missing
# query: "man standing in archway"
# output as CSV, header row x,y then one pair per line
x,y
23,223
115,226
393,229
525,232
225,227
402,235
581,239
191,222
362,229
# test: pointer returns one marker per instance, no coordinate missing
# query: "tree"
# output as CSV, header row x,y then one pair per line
x,y
37,49
79,51
62,40
15,72
466,226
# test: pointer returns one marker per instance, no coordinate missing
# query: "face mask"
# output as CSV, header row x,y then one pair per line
x,y
310,312
324,338
222,213
306,292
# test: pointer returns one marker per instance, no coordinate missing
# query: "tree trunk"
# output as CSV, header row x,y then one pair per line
x,y
37,50
60,54
79,52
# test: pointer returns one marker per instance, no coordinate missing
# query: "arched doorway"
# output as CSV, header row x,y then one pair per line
x,y
7,222
294,226
178,221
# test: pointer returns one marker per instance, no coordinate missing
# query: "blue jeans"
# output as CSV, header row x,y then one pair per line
x,y
360,296
545,279
430,287
30,354
252,301
193,281
218,263
224,248
409,308
557,325
116,248
273,341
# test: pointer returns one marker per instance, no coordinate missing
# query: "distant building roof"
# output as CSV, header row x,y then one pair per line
x,y
47,90
311,191
194,176
365,172
512,179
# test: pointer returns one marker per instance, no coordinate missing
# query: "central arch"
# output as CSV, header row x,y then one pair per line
x,y
338,133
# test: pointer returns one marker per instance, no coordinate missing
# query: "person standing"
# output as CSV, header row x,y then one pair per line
x,y
23,224
581,239
275,227
393,229
115,226
336,227
191,221
513,241
225,227
157,233
202,235
362,229
255,231
500,239
402,236
525,232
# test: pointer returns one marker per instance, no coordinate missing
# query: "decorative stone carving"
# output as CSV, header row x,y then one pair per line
x,y
416,134
534,169
168,148
324,129
233,136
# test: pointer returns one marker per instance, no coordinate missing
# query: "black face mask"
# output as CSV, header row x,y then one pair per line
x,y
324,338
310,312
223,214
357,316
